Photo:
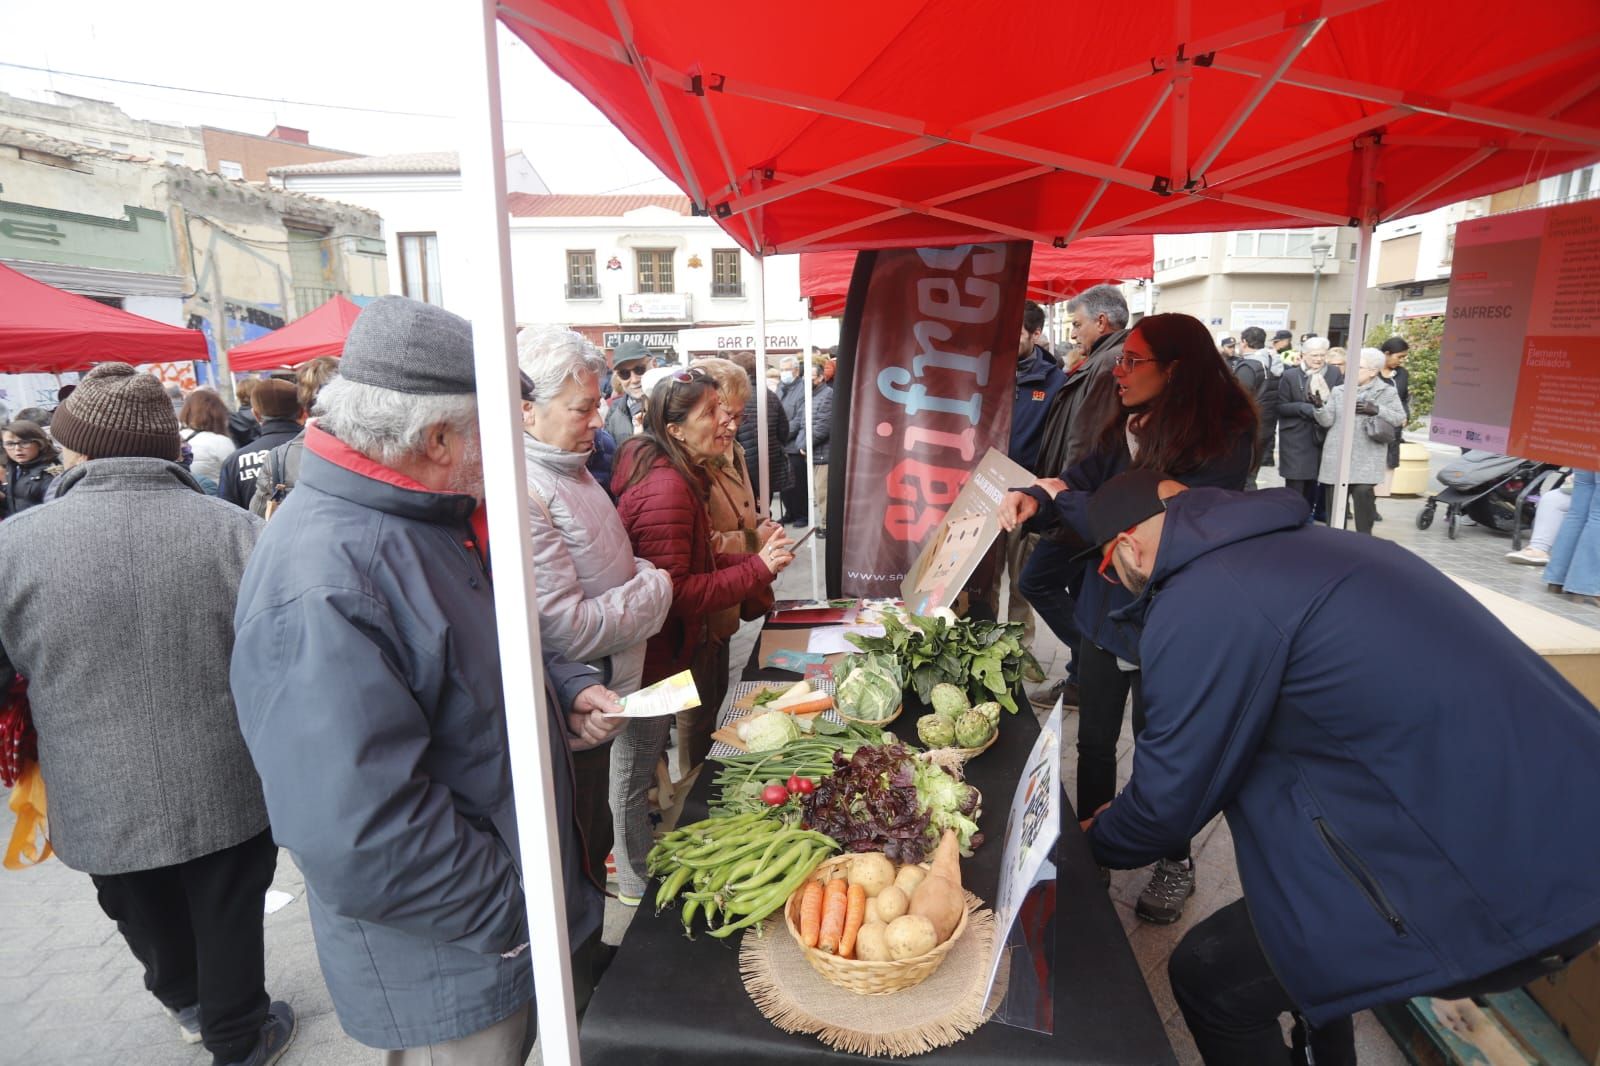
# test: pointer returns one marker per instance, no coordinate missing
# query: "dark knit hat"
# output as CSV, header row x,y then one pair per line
x,y
117,411
409,346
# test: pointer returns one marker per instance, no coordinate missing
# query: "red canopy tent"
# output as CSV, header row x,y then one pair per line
x,y
322,332
45,330
1053,273
879,125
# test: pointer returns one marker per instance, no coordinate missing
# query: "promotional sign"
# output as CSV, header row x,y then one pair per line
x,y
655,306
1026,892
924,385
1519,366
958,545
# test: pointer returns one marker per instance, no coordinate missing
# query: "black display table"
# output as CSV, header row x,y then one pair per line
x,y
667,999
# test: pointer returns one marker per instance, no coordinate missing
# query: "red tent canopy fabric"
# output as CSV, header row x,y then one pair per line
x,y
44,330
322,332
1053,273
807,127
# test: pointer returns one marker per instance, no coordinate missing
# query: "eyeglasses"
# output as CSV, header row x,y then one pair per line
x,y
1124,361
694,373
19,443
627,372
1111,548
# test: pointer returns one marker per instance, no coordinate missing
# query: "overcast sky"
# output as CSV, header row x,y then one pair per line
x,y
361,55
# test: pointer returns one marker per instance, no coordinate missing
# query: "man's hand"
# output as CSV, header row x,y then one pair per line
x,y
589,723
1089,821
1015,509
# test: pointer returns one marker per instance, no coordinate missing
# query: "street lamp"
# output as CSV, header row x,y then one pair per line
x,y
1319,259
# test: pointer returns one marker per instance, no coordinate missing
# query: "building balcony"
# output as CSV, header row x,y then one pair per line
x,y
727,290
308,298
582,292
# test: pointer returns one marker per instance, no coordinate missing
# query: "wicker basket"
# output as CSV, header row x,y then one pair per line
x,y
858,976
880,722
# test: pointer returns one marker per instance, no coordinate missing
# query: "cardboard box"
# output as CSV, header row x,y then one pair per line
x,y
1572,999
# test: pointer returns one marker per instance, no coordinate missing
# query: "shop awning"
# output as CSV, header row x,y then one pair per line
x,y
45,330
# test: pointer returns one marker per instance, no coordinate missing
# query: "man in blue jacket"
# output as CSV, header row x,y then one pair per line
x,y
1398,832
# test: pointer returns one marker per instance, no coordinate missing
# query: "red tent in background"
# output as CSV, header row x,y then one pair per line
x,y
1053,273
45,330
872,125
322,332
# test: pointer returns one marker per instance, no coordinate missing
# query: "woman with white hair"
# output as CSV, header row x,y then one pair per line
x,y
1379,419
1301,391
598,604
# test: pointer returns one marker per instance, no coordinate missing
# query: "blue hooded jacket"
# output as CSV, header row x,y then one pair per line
x,y
1401,825
1038,381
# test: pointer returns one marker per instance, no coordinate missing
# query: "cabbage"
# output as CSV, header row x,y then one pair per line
x,y
769,731
869,694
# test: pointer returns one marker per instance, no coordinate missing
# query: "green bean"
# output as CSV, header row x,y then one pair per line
x,y
767,901
671,886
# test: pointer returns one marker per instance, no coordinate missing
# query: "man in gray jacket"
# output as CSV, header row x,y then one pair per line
x,y
116,603
367,675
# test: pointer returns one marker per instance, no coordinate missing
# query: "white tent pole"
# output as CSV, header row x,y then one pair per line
x,y
1358,310
763,453
486,255
811,471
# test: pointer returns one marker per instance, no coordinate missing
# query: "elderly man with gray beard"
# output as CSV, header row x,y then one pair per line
x,y
367,675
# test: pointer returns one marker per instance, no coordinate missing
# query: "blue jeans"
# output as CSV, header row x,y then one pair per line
x,y
1575,556
1045,584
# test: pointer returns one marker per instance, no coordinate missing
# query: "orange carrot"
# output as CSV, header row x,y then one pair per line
x,y
815,705
855,914
811,913
834,904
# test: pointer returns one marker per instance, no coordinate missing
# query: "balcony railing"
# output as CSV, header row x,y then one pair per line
x,y
308,298
728,290
582,292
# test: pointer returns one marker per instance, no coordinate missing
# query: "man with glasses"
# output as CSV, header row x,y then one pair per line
x,y
1077,414
626,417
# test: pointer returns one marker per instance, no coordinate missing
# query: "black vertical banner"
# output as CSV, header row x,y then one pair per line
x,y
926,375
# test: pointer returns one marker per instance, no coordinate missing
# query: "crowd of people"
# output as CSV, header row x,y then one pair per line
x,y
323,552
344,701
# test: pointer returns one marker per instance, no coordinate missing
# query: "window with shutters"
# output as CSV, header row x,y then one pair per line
x,y
725,279
655,270
581,283
419,267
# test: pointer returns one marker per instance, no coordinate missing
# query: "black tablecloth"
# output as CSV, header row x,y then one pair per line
x,y
666,999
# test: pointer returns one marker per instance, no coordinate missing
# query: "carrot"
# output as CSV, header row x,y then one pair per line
x,y
834,905
855,914
816,705
811,913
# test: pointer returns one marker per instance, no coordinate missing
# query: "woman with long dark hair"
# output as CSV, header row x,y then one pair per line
x,y
662,484
1180,412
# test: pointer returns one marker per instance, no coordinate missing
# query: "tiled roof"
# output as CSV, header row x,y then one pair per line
x,y
407,163
564,205
42,142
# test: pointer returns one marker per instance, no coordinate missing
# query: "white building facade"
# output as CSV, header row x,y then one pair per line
x,y
646,267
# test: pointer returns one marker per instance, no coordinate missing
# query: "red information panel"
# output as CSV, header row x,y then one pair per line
x,y
1519,368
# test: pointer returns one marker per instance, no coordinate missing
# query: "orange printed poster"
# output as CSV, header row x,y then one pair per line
x,y
1519,366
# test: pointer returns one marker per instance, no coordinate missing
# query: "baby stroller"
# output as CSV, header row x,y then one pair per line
x,y
1489,489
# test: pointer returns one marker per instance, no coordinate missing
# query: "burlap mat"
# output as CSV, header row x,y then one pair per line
x,y
939,1011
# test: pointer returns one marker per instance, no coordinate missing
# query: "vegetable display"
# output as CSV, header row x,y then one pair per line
x,y
860,911
869,686
985,660
881,798
768,731
732,872
743,778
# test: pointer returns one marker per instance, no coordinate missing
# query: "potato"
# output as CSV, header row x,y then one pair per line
x,y
890,904
909,877
872,944
909,936
872,871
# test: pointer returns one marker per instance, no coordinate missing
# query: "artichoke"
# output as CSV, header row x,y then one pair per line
x,y
991,711
973,730
936,731
948,701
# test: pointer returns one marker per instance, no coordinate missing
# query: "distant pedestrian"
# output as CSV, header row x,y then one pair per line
x,y
626,415
1301,391
792,395
276,476
276,404
204,428
125,640
242,424
31,464
1377,407
1575,556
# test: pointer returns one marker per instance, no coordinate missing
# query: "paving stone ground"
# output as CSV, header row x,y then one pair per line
x,y
70,992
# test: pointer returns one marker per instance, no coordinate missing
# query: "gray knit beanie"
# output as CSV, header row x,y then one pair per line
x,y
409,346
115,412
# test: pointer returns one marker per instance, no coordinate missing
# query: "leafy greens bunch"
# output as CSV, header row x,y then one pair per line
x,y
985,659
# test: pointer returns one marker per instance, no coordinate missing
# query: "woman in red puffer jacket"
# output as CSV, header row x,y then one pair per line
x,y
661,487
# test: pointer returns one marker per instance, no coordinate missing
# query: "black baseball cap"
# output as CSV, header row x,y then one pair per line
x,y
1120,504
1283,335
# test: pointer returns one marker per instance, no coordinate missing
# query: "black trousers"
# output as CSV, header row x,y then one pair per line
x,y
794,497
1103,690
196,927
1231,1000
1306,487
1363,501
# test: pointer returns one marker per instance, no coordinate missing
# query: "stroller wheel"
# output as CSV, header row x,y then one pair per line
x,y
1425,516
